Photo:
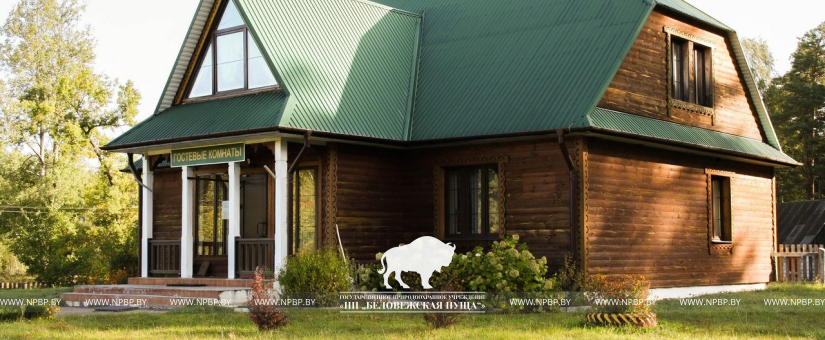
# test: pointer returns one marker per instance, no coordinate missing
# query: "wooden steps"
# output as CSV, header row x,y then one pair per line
x,y
155,293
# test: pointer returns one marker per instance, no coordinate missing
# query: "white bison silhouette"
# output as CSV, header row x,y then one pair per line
x,y
425,255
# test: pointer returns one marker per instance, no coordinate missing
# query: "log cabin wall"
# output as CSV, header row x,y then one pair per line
x,y
648,214
641,85
536,191
166,193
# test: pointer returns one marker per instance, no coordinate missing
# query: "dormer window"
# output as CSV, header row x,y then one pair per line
x,y
690,72
231,61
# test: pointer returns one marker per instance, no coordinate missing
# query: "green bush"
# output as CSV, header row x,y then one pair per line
x,y
507,270
619,293
322,273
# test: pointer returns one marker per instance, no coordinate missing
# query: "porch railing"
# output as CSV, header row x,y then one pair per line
x,y
253,253
164,257
798,262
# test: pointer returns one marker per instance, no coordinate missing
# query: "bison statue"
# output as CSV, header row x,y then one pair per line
x,y
425,255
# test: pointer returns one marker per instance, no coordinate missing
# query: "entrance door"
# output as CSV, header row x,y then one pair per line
x,y
304,231
211,191
254,206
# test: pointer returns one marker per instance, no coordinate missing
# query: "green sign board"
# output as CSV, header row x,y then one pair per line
x,y
209,155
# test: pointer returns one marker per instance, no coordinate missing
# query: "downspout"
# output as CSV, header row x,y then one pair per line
x,y
300,153
573,192
134,171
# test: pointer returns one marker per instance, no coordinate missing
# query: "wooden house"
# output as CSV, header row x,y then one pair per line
x,y
626,132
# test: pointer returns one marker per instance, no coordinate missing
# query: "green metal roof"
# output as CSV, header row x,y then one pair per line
x,y
460,68
347,65
662,130
231,115
495,67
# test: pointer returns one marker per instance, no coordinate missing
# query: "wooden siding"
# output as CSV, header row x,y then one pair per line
x,y
641,84
536,191
648,214
167,200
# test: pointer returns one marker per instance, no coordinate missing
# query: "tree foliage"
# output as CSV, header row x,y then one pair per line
x,y
67,210
796,101
760,61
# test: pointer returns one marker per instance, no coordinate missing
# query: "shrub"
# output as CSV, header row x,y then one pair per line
x,y
507,269
441,320
41,312
262,310
322,273
618,293
569,278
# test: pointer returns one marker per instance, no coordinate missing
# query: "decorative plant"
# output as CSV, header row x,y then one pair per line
x,y
441,320
322,273
618,294
263,311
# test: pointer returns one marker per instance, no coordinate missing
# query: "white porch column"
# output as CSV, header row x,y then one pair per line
x,y
234,214
281,206
147,218
187,222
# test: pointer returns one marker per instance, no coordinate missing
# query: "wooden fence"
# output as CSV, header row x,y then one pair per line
x,y
22,285
799,262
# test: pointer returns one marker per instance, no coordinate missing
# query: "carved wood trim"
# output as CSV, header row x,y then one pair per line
x,y
331,199
580,226
685,35
691,107
438,189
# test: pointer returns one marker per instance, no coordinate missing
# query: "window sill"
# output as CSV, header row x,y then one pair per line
x,y
709,111
721,248
470,239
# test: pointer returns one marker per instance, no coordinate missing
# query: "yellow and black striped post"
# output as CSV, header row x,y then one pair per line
x,y
618,319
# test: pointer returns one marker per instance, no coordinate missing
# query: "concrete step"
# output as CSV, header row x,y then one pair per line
x,y
207,292
146,296
212,282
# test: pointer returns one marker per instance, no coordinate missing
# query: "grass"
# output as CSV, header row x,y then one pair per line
x,y
45,293
750,320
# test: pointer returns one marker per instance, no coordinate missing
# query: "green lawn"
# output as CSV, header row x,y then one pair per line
x,y
751,320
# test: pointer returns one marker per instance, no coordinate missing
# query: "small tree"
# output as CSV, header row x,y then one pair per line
x,y
263,310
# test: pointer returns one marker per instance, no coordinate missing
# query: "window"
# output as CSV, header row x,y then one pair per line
x,y
472,202
691,75
680,71
231,61
304,210
720,210
701,76
211,228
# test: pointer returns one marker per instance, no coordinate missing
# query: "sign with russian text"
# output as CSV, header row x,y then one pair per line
x,y
209,155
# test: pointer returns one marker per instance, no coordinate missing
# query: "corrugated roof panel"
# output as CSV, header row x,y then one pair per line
x,y
799,222
236,114
495,67
347,64
659,129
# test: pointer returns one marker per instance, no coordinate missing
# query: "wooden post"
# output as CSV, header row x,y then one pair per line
x,y
822,264
234,214
147,218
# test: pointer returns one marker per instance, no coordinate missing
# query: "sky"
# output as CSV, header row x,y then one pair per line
x,y
139,40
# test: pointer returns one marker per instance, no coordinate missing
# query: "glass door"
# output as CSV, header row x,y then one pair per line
x,y
211,227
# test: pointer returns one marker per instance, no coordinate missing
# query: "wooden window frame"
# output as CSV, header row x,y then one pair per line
x,y
718,246
211,43
439,194
689,101
197,178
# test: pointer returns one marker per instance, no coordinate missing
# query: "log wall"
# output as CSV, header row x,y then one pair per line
x,y
641,85
648,214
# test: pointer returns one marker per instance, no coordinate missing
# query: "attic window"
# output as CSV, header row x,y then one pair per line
x,y
690,66
231,61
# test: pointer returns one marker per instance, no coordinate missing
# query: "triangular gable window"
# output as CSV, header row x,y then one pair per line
x,y
240,64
